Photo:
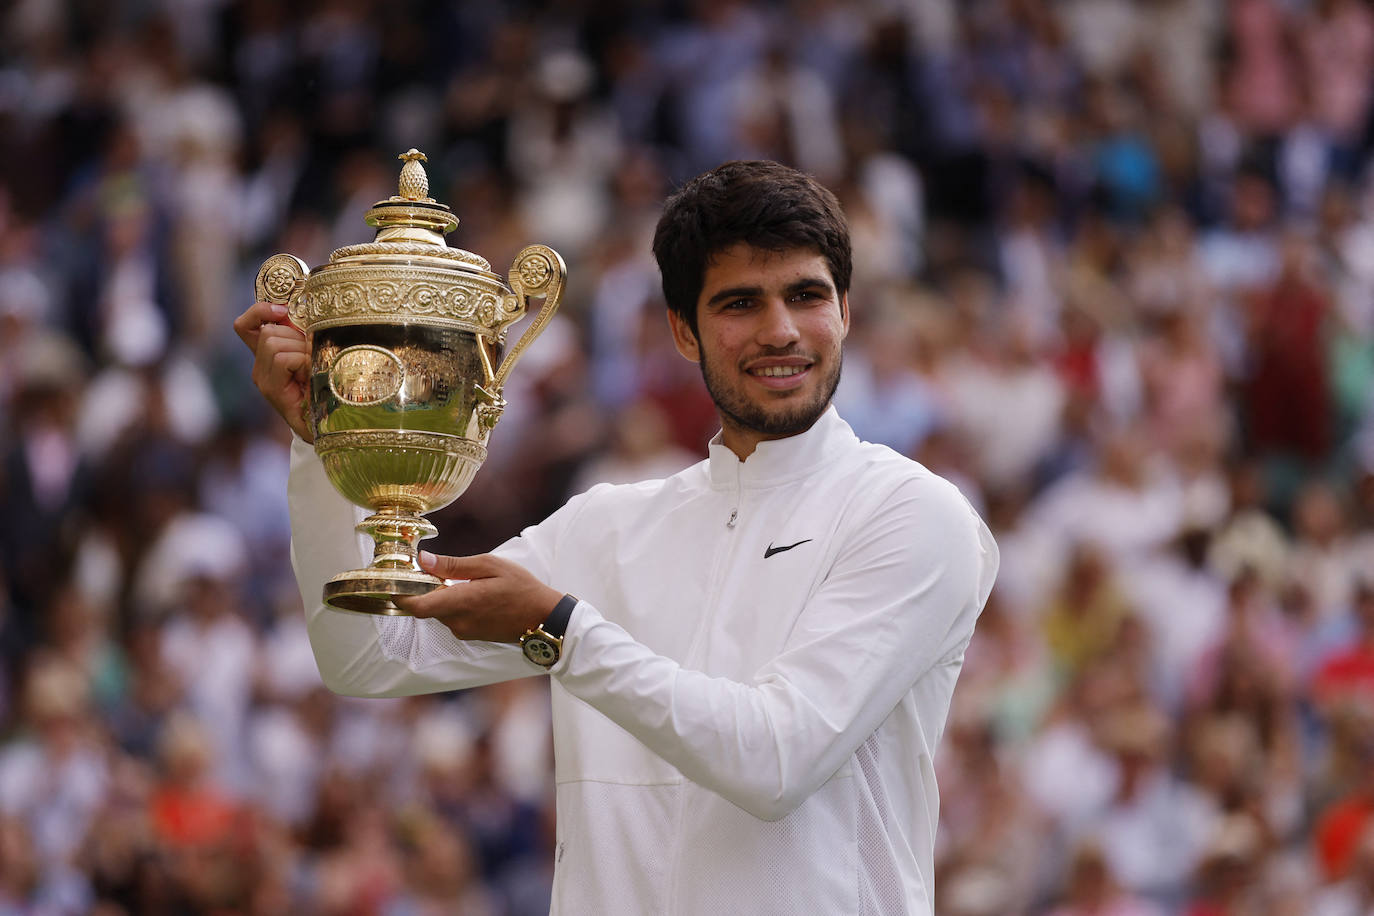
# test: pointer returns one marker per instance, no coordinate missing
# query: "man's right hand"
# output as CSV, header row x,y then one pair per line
x,y
281,362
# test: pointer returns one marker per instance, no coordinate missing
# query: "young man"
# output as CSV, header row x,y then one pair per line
x,y
749,692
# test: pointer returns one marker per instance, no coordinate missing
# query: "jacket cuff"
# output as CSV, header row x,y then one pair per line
x,y
583,618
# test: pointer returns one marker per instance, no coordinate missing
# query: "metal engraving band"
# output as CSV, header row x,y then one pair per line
x,y
411,248
393,439
353,294
397,212
497,335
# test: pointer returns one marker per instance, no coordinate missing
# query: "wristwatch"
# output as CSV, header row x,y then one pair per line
x,y
543,644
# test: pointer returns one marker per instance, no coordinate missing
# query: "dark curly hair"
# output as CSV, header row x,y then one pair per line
x,y
763,204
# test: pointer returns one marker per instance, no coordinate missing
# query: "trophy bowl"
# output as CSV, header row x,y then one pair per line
x,y
407,367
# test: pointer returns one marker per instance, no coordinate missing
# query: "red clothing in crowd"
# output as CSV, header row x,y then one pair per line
x,y
192,817
1288,398
1338,833
1346,674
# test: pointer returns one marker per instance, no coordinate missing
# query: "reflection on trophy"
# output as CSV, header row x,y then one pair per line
x,y
406,372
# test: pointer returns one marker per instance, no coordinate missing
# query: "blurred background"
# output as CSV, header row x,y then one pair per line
x,y
1115,278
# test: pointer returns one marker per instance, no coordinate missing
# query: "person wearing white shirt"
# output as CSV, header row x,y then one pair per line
x,y
749,688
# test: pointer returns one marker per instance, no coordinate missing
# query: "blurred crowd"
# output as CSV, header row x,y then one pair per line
x,y
1114,277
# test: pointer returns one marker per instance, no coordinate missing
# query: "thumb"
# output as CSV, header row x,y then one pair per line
x,y
474,567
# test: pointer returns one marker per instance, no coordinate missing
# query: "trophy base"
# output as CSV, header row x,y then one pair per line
x,y
370,591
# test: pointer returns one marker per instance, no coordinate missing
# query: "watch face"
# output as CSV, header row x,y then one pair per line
x,y
540,650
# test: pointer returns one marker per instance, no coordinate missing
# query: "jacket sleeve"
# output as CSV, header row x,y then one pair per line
x,y
372,655
900,600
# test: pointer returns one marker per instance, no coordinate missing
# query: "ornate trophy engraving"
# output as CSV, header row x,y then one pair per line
x,y
406,372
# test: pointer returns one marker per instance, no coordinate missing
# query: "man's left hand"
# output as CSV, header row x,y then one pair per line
x,y
499,602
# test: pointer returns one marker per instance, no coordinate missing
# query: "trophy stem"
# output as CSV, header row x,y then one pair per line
x,y
395,569
397,534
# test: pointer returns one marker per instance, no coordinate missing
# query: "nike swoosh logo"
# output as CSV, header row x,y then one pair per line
x,y
772,550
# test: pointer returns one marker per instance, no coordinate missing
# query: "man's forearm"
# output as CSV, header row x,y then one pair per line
x,y
359,654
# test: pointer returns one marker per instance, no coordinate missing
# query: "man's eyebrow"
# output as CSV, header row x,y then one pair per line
x,y
735,292
808,283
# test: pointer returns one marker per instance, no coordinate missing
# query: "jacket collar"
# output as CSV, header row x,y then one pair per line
x,y
779,460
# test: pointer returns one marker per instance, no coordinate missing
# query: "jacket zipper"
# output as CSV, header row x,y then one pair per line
x,y
718,560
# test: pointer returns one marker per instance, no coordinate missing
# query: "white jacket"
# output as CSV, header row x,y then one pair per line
x,y
752,685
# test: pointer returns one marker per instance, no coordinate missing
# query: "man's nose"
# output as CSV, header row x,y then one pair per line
x,y
778,326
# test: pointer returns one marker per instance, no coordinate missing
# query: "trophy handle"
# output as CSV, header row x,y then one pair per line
x,y
538,271
281,278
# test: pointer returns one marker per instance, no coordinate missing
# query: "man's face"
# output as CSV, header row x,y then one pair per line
x,y
770,325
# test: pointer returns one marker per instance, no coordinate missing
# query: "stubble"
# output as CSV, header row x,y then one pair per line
x,y
780,419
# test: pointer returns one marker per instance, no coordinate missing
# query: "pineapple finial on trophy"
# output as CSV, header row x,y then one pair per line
x,y
414,181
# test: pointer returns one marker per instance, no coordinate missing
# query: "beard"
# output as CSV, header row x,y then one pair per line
x,y
784,418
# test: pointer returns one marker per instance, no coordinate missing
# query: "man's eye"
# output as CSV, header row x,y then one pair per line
x,y
739,304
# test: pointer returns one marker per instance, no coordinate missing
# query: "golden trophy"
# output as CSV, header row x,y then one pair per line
x,y
406,372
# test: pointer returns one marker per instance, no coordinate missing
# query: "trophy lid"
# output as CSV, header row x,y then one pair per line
x,y
411,222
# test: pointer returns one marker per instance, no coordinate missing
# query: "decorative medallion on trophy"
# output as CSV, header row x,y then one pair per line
x,y
406,372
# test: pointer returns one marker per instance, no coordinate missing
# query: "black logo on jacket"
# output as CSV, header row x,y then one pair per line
x,y
772,550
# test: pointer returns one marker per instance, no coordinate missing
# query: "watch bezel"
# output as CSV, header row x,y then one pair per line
x,y
538,636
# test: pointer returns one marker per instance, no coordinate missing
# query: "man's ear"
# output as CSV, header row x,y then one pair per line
x,y
684,338
844,313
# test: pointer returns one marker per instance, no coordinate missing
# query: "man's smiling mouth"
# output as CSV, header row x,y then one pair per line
x,y
778,371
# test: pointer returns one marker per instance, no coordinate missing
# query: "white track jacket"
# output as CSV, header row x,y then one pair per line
x,y
752,685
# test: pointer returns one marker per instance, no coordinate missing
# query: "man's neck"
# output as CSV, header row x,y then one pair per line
x,y
742,441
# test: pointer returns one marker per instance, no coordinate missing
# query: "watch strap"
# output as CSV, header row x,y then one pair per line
x,y
556,624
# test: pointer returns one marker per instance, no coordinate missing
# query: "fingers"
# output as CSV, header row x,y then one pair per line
x,y
281,361
281,368
476,589
456,602
481,566
282,355
287,368
484,609
499,601
257,315
283,332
